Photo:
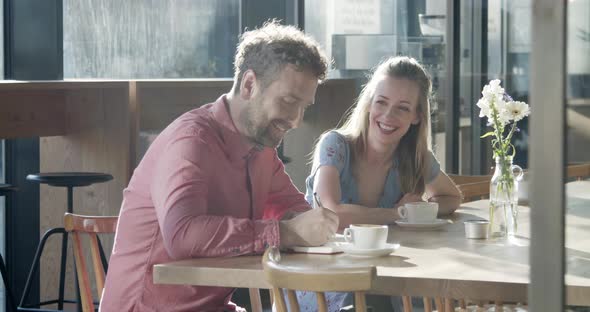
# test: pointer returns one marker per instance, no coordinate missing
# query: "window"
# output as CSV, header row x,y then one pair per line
x,y
2,171
1,39
2,218
578,82
358,34
149,39
577,107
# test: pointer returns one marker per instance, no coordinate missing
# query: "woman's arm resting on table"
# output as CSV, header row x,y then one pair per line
x,y
327,185
443,191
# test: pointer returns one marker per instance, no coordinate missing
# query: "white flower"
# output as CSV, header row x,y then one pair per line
x,y
485,111
489,105
504,117
500,104
493,90
517,110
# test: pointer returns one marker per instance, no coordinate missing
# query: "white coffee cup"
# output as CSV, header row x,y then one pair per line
x,y
419,212
366,236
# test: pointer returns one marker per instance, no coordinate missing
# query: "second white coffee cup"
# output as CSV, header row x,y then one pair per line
x,y
419,212
366,236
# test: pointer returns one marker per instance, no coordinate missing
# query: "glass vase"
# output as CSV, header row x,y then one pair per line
x,y
504,198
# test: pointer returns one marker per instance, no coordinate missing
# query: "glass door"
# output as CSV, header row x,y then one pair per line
x,y
2,169
358,35
577,137
2,222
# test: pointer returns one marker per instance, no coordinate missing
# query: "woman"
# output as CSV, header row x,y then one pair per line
x,y
380,158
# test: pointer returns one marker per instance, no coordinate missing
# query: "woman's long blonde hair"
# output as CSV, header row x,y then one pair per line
x,y
412,151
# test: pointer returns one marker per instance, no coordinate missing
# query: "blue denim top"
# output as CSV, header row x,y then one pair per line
x,y
334,150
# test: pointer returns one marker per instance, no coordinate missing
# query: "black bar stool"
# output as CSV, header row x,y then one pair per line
x,y
68,180
6,189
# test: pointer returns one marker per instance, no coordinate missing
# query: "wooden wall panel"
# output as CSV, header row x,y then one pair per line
x,y
98,143
30,113
162,102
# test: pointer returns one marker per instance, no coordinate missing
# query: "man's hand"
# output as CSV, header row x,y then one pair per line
x,y
409,198
311,228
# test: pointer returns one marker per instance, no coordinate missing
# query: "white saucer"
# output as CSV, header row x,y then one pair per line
x,y
436,224
378,252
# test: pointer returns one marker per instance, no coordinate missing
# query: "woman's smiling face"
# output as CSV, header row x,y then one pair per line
x,y
393,110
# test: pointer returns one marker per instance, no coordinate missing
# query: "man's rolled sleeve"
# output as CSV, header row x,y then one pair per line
x,y
266,234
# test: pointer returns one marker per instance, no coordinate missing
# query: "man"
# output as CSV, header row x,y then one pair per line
x,y
211,184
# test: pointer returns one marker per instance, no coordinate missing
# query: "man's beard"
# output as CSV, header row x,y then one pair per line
x,y
258,130
263,136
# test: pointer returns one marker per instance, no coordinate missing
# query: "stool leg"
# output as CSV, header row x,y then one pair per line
x,y
70,193
9,295
103,257
35,265
70,199
62,272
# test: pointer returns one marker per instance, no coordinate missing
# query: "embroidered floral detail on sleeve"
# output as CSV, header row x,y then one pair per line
x,y
330,151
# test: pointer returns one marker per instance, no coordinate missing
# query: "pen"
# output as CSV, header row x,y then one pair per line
x,y
318,204
317,201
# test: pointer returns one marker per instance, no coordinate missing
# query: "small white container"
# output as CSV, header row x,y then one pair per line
x,y
476,229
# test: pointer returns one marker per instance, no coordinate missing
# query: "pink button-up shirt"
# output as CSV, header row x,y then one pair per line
x,y
201,190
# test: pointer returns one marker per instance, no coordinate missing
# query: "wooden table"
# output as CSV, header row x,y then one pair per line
x,y
432,263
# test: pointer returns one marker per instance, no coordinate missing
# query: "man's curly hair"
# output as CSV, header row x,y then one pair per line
x,y
267,50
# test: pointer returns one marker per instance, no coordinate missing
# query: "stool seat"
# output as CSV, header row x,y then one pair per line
x,y
69,180
6,189
73,179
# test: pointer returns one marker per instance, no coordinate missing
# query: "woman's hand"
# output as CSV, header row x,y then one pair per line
x,y
443,191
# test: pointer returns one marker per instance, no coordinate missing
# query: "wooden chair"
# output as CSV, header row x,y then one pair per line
x,y
319,280
474,191
475,187
93,225
578,171
472,187
90,225
465,179
255,300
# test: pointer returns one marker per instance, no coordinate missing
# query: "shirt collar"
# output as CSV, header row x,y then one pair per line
x,y
235,145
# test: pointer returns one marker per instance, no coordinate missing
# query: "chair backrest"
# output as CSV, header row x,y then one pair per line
x,y
578,171
319,280
90,225
465,179
474,191
475,187
472,187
